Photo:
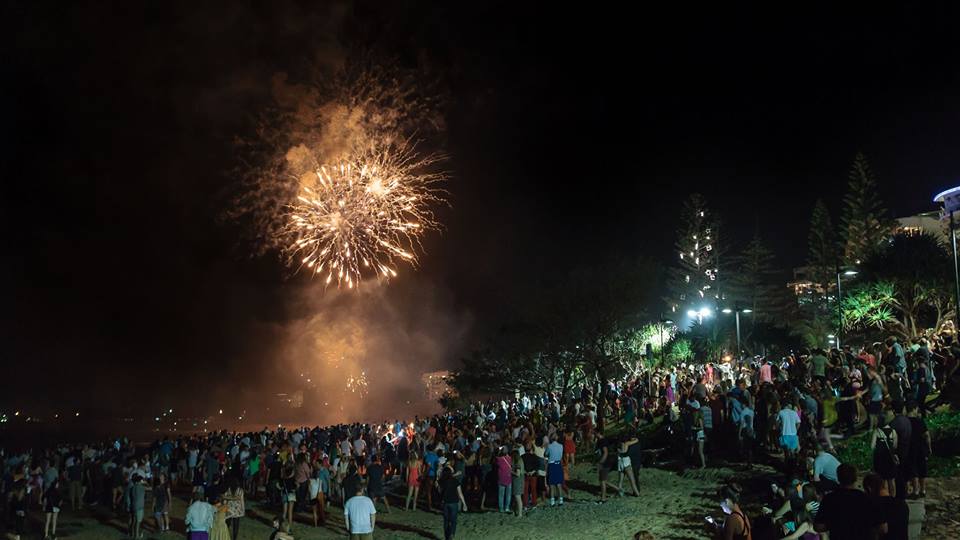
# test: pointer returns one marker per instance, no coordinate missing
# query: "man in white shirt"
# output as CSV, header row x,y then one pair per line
x,y
360,516
199,519
554,457
359,446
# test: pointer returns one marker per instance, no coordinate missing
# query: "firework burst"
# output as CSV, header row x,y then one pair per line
x,y
358,385
362,216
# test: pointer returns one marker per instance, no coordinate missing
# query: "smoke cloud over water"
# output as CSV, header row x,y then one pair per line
x,y
359,355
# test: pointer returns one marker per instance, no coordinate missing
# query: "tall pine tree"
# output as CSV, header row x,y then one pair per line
x,y
695,276
757,283
864,223
822,250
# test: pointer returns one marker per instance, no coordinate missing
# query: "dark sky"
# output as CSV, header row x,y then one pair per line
x,y
573,133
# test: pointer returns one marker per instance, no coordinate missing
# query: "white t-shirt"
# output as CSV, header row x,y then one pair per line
x,y
789,419
359,509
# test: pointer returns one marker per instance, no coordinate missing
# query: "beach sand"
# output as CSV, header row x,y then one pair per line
x,y
671,506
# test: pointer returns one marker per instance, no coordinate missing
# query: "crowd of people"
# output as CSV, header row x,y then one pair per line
x,y
777,409
515,455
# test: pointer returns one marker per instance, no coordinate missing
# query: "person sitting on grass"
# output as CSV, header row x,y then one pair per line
x,y
736,526
278,528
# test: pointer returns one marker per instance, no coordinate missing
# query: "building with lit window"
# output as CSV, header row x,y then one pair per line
x,y
928,223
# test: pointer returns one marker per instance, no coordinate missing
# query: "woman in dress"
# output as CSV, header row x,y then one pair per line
x,y
219,531
414,467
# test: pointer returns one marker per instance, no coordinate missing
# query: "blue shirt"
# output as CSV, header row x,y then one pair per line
x,y
554,452
431,459
825,466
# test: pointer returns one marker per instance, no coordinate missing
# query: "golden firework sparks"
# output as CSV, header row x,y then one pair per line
x,y
358,385
364,215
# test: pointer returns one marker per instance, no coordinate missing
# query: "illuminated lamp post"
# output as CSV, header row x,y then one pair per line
x,y
849,272
949,202
737,310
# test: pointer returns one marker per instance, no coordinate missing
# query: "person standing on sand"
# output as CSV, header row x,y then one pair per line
x,y
51,503
137,494
360,516
504,465
161,503
234,500
452,499
517,474
554,457
414,470
375,488
199,518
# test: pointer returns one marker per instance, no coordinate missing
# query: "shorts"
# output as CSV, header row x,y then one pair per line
x,y
138,515
701,435
290,497
790,442
604,473
623,463
875,407
554,474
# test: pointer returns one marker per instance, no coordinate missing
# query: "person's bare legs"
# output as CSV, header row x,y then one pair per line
x,y
633,480
703,460
519,501
46,526
386,503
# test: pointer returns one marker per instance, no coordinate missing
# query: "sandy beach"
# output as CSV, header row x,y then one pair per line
x,y
671,506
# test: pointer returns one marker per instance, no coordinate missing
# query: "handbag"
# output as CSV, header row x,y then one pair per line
x,y
894,458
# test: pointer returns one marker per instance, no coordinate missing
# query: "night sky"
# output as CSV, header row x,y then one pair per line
x,y
574,134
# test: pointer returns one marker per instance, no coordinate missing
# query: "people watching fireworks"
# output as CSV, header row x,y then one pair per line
x,y
522,451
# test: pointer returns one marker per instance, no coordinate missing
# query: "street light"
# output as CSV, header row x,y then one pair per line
x,y
849,272
663,349
737,311
700,314
949,202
